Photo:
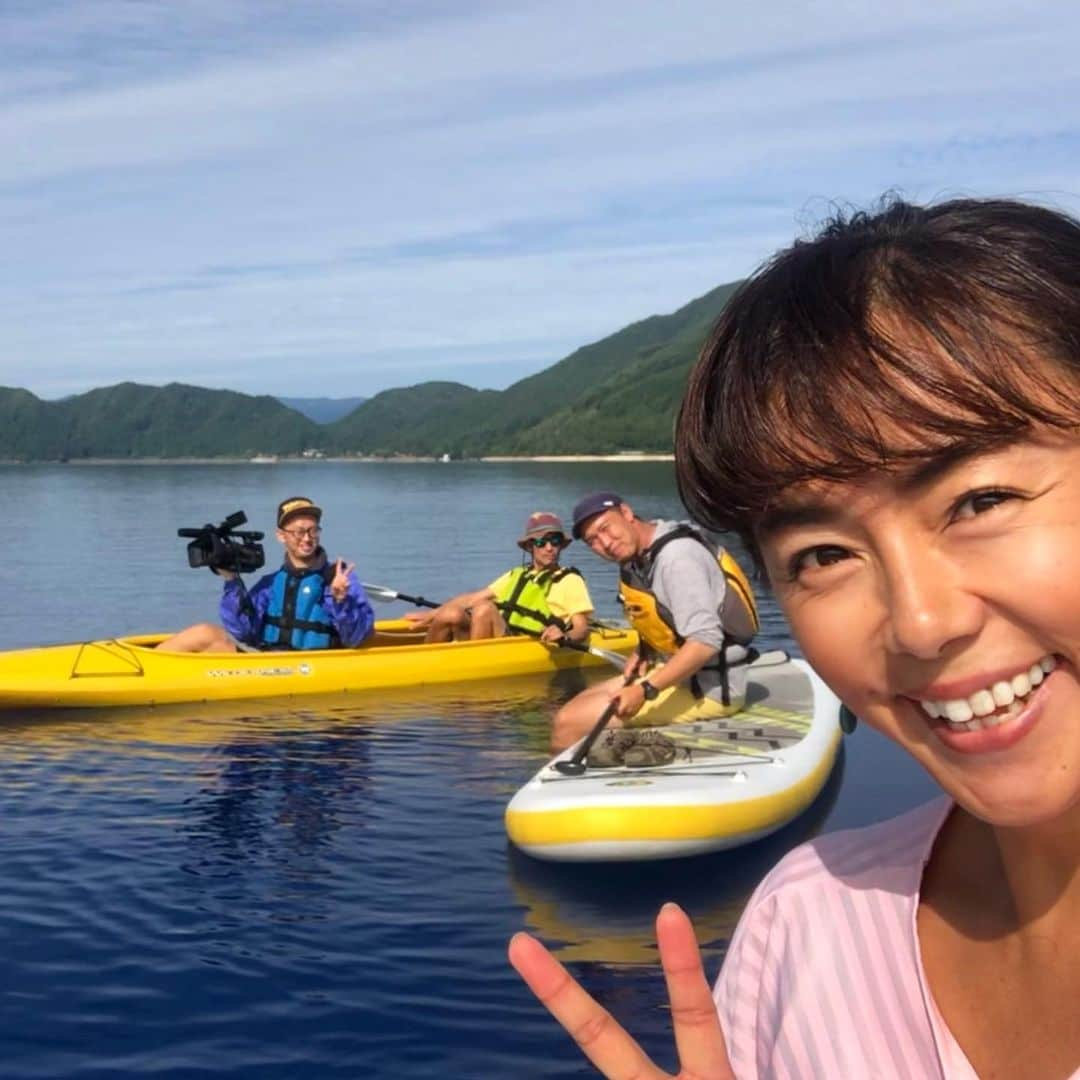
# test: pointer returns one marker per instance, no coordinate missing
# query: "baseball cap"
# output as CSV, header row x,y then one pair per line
x,y
591,505
290,508
540,524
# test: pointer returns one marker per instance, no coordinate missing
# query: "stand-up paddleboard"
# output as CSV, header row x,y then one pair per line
x,y
733,779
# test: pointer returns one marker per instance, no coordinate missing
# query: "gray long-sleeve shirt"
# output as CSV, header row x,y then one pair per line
x,y
688,582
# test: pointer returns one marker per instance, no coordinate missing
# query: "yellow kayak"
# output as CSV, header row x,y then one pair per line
x,y
131,671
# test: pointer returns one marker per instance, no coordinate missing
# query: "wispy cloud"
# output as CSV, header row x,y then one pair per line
x,y
258,195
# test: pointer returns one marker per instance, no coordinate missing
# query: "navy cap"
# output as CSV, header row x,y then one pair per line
x,y
591,505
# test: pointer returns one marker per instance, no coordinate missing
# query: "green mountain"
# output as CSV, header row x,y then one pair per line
x,y
25,427
620,393
634,406
404,421
131,421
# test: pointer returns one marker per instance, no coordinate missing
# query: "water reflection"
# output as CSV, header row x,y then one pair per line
x,y
603,913
284,795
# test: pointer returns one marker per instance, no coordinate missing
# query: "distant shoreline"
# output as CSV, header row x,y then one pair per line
x,y
583,457
398,459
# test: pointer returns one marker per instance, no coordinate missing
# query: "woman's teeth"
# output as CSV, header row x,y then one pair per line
x,y
994,705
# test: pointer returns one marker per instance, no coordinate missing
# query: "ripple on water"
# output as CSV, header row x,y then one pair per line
x,y
311,892
268,894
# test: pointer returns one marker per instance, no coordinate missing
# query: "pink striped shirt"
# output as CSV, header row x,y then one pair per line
x,y
824,977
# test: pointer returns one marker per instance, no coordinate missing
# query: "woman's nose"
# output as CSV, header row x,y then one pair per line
x,y
928,603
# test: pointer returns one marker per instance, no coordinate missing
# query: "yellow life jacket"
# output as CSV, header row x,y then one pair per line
x,y
523,600
656,625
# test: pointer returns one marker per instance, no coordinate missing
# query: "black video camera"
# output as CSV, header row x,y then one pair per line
x,y
221,547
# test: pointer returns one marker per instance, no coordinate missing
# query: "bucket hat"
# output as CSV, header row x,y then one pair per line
x,y
542,523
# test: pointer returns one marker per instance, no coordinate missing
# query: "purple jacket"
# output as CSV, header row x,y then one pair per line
x,y
353,617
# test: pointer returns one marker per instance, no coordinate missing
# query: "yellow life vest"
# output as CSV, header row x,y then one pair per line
x,y
523,600
656,625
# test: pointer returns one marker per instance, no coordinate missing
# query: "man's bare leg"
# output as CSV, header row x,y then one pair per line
x,y
448,623
487,622
577,717
202,637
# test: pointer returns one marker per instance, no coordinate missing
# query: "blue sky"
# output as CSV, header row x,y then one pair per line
x,y
334,198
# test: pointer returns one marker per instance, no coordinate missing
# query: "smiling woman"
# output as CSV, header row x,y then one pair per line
x,y
888,416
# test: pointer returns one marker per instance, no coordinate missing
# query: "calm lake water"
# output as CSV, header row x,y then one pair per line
x,y
319,887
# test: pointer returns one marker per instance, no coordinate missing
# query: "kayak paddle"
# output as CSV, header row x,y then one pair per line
x,y
381,592
575,765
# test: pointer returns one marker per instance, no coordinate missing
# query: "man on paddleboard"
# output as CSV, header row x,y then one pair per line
x,y
309,603
539,598
693,609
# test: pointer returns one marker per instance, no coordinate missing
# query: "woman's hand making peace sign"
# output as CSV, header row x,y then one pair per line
x,y
700,1042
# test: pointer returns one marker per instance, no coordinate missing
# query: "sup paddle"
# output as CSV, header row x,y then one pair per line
x,y
381,592
575,765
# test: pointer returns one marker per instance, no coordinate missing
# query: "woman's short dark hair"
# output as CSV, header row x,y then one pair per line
x,y
891,336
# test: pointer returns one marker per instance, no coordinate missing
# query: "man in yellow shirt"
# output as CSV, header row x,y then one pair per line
x,y
540,597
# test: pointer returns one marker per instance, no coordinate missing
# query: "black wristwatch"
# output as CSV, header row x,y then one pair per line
x,y
650,691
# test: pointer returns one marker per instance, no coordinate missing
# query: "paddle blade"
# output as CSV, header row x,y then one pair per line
x,y
378,592
576,765
381,592
570,768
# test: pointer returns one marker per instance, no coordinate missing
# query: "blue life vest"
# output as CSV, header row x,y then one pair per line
x,y
295,618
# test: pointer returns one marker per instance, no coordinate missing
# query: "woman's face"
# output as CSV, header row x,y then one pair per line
x,y
943,606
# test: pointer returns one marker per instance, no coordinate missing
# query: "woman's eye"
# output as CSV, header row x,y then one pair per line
x,y
816,558
978,502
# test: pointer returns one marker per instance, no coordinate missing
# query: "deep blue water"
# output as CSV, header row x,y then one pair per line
x,y
318,887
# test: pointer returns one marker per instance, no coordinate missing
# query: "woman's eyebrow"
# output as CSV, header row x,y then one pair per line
x,y
935,466
793,514
924,473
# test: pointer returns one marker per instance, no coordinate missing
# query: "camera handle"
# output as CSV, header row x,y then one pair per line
x,y
246,605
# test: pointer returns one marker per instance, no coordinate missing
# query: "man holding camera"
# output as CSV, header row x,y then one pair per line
x,y
310,603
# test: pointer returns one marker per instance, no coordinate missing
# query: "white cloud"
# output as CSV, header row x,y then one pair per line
x,y
278,196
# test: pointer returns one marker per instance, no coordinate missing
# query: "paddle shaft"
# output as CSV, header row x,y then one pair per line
x,y
575,765
380,592
613,658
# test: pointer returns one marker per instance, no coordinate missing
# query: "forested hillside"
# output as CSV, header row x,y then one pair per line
x,y
133,421
620,393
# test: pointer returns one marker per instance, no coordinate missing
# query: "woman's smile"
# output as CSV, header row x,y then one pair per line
x,y
994,718
980,701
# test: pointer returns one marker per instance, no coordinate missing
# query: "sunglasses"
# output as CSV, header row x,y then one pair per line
x,y
554,539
